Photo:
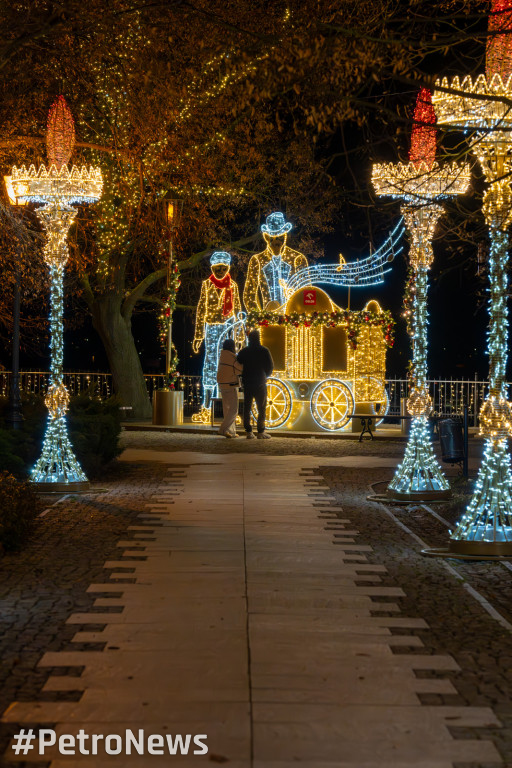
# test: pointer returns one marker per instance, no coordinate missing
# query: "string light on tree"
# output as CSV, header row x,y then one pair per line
x,y
422,184
486,527
57,189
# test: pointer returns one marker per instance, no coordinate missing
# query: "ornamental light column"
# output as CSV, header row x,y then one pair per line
x,y
421,184
57,188
485,528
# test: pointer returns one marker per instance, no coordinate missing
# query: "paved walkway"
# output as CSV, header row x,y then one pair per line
x,y
249,613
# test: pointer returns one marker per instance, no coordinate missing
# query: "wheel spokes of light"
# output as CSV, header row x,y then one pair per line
x,y
486,526
421,184
57,188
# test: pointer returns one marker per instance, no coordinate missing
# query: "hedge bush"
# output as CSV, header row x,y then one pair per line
x,y
94,428
19,507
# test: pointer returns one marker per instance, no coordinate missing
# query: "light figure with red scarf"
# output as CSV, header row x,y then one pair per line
x,y
218,317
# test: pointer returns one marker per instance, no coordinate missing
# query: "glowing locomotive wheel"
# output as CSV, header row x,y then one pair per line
x,y
332,404
279,404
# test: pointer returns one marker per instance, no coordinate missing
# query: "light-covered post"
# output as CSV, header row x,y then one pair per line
x,y
57,188
485,528
422,185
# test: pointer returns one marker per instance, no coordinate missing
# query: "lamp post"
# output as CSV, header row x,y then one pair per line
x,y
485,529
422,185
57,188
172,214
14,417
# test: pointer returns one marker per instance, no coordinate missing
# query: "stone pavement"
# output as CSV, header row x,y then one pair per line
x,y
247,608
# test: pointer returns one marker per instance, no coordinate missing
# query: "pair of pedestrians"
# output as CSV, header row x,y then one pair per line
x,y
254,363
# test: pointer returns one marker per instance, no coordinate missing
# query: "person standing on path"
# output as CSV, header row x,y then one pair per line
x,y
228,372
257,367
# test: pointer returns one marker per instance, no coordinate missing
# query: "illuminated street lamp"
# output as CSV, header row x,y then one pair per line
x,y
14,416
57,188
482,106
172,215
421,185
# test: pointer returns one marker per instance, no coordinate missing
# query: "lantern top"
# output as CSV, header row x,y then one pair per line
x,y
53,185
420,183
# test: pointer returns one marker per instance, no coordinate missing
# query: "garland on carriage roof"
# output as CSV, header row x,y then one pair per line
x,y
355,320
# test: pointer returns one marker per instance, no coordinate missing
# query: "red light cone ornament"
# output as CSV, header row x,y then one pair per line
x,y
60,134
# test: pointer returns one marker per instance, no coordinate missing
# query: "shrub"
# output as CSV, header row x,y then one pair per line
x,y
19,506
94,427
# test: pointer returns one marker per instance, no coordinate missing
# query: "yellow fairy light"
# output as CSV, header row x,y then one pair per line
x,y
271,269
316,346
57,400
218,316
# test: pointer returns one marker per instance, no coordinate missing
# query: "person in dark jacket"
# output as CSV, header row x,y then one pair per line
x,y
258,366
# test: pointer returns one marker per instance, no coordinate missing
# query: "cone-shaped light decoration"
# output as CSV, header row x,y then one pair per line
x,y
422,184
424,131
499,42
57,468
60,134
485,529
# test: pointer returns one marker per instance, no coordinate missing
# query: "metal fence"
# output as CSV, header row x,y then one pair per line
x,y
100,385
448,395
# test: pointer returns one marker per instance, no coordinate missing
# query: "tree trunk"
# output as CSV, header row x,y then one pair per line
x,y
116,334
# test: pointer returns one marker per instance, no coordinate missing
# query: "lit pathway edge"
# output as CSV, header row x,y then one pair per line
x,y
251,620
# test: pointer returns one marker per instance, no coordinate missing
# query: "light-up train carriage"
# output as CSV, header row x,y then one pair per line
x,y
328,362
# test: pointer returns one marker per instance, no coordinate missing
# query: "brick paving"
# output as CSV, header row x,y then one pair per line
x,y
457,622
47,582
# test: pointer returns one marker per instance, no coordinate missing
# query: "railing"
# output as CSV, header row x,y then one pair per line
x,y
100,385
448,395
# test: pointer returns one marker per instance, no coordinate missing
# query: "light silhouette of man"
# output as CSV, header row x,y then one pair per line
x,y
217,311
270,270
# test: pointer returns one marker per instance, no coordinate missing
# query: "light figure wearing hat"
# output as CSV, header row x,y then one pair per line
x,y
217,318
269,271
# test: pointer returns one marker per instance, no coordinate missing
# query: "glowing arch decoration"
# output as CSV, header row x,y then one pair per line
x,y
422,185
57,189
485,529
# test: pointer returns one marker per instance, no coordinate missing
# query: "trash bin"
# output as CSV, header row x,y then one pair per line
x,y
167,407
405,424
452,443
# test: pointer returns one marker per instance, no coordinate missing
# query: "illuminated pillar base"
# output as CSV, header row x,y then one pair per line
x,y
419,477
486,526
57,469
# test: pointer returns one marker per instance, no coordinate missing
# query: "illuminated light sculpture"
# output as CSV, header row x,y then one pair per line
x,y
218,316
362,273
422,184
276,273
485,528
57,188
327,361
269,271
